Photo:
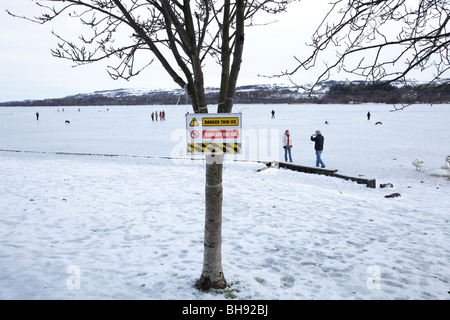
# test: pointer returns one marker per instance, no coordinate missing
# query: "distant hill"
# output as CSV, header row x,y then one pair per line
x,y
244,94
341,92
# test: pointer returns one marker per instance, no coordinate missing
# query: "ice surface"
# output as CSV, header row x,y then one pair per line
x,y
130,225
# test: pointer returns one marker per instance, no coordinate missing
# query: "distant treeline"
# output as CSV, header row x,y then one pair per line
x,y
331,92
390,94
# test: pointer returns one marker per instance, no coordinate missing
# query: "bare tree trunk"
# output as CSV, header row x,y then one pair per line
x,y
230,71
237,56
212,274
225,76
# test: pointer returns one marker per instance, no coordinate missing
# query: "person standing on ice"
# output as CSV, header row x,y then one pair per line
x,y
318,146
368,115
37,115
287,145
273,114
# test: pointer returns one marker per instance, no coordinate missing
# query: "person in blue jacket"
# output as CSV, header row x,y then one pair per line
x,y
318,146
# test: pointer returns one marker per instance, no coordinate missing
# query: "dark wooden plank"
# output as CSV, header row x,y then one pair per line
x,y
370,183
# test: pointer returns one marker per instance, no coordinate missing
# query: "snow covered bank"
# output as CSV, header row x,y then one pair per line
x,y
95,227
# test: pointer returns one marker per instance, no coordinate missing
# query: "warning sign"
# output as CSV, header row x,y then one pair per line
x,y
214,147
220,134
194,123
217,122
194,134
210,133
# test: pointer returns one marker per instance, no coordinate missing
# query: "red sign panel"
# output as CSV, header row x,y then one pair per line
x,y
220,134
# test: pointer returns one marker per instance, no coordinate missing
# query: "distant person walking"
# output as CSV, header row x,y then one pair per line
x,y
368,115
318,146
37,115
287,145
273,114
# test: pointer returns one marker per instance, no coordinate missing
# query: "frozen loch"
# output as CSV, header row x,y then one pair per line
x,y
110,206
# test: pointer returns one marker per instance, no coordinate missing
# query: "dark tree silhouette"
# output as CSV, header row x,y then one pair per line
x,y
383,42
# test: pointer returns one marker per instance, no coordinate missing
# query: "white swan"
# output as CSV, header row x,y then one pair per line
x,y
418,164
445,169
446,166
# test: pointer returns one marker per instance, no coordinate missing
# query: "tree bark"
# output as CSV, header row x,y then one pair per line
x,y
225,56
212,274
237,56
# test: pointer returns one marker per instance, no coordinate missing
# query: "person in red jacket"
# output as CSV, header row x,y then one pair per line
x,y
287,145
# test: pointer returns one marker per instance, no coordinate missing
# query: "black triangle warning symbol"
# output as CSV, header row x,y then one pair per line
x,y
193,123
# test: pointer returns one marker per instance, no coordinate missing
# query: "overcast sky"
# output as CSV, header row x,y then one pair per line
x,y
28,70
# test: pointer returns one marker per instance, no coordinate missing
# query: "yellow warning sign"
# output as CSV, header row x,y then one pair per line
x,y
214,147
217,122
214,133
194,123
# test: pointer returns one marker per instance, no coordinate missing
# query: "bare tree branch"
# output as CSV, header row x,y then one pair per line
x,y
381,41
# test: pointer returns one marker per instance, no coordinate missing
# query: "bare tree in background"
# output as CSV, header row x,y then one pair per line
x,y
180,35
383,42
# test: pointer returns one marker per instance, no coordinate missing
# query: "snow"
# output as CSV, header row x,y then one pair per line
x,y
110,207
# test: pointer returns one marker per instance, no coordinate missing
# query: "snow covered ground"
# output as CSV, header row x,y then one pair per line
x,y
130,226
